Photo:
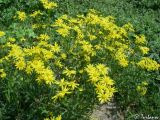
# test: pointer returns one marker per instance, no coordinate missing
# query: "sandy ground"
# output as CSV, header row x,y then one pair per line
x,y
107,111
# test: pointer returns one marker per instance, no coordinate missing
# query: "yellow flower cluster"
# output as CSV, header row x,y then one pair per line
x,y
12,40
54,118
36,13
142,88
68,73
63,28
48,5
21,15
113,37
140,39
66,88
121,57
2,73
98,75
44,37
39,26
2,33
149,64
144,50
39,55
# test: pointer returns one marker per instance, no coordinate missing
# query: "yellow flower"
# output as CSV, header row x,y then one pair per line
x,y
35,26
11,39
107,81
63,31
47,54
59,117
44,37
46,119
140,39
61,94
141,89
144,50
29,68
87,47
93,73
87,58
32,50
144,83
98,47
62,83
103,83
68,72
103,97
20,64
73,85
37,66
91,37
123,62
36,13
22,39
102,69
58,63
121,57
16,51
2,73
149,64
80,34
81,71
99,87
2,33
48,5
21,15
46,75
63,56
58,22
128,27
55,48
106,94
80,89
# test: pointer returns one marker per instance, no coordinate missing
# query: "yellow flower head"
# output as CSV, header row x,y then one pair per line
x,y
149,64
61,94
68,72
2,33
59,117
102,69
55,48
46,75
63,31
2,73
63,56
144,50
44,37
142,88
36,13
21,15
20,64
48,5
140,39
11,39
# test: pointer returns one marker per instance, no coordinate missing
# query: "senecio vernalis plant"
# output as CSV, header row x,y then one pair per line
x,y
68,52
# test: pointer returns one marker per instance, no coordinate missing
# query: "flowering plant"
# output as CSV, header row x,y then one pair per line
x,y
72,56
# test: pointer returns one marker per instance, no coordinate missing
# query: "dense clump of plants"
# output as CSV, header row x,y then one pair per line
x,y
58,68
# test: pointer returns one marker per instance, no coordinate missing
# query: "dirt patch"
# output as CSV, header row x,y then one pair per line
x,y
107,111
